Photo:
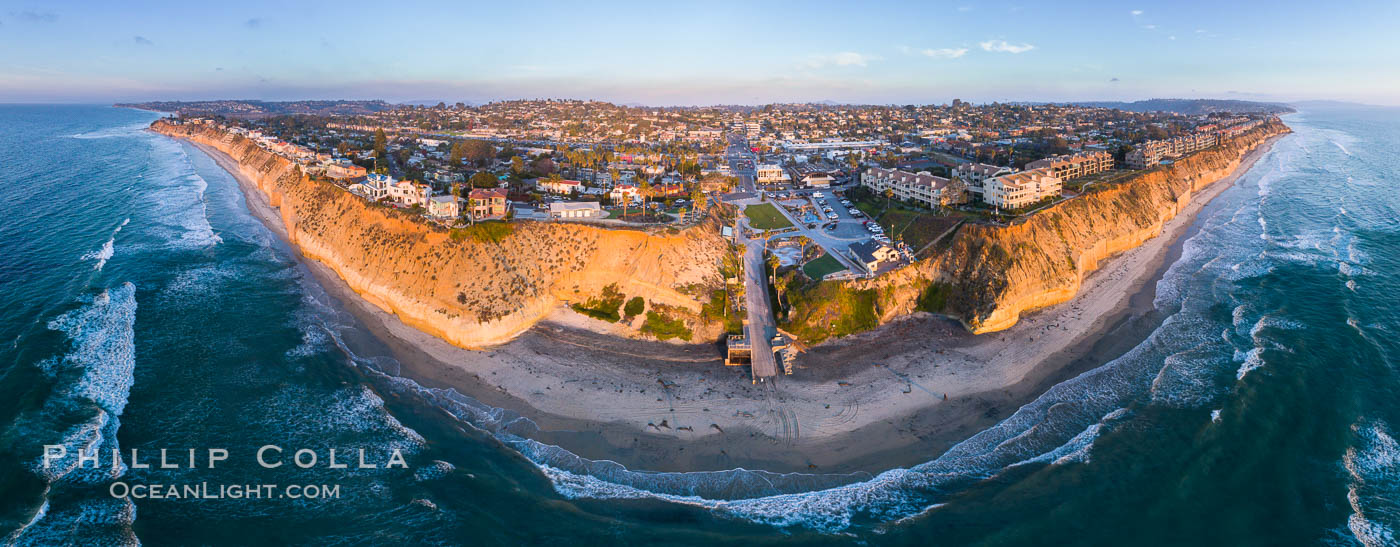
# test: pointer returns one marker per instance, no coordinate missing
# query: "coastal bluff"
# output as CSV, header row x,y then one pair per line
x,y
472,292
988,275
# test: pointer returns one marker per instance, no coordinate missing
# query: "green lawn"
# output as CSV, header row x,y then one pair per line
x,y
821,266
765,216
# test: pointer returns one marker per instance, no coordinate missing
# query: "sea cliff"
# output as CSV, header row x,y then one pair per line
x,y
471,291
988,275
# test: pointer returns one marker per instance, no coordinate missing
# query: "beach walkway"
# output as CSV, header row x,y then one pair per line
x,y
760,325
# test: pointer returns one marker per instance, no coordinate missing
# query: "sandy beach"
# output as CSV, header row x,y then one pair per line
x,y
892,397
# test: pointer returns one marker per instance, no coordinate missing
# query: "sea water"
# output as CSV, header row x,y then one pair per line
x,y
145,308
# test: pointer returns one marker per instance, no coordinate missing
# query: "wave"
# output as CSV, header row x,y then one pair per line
x,y
1373,464
111,132
105,253
94,378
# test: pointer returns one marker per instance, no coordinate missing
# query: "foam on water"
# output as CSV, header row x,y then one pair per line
x,y
105,253
94,376
1373,464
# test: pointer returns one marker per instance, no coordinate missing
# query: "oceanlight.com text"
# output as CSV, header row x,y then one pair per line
x,y
205,490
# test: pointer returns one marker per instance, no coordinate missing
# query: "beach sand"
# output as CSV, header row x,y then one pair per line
x,y
892,397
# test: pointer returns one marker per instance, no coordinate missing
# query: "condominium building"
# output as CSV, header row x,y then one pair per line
x,y
974,175
922,188
1020,190
1073,166
1146,155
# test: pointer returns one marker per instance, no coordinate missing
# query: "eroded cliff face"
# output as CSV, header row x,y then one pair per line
x,y
471,293
990,274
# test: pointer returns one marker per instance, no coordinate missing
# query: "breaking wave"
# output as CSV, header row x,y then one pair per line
x,y
105,253
94,379
1373,463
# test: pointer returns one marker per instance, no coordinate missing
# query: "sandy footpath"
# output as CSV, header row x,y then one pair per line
x,y
892,397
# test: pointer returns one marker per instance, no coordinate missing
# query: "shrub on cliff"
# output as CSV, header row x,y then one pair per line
x,y
826,309
492,232
634,307
604,306
664,327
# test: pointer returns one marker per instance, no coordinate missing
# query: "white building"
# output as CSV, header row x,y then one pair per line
x,y
769,173
1019,190
575,210
922,188
975,175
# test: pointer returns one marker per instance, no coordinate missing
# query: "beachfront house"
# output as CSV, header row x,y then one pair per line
x,y
488,203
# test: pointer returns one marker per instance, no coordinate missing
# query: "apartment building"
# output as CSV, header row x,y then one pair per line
x,y
975,175
1073,166
1146,155
922,188
1020,190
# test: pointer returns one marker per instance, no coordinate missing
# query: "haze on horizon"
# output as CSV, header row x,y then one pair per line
x,y
669,53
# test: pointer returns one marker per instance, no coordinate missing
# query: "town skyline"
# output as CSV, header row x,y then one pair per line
x,y
698,54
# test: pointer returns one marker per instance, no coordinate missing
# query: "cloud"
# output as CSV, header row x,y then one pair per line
x,y
844,58
964,9
35,16
944,53
1113,79
1137,12
255,22
1001,46
1150,27
142,41
1171,37
936,53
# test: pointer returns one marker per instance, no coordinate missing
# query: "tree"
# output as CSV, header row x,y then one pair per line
x,y
477,151
889,193
484,179
517,165
644,188
544,166
381,143
454,158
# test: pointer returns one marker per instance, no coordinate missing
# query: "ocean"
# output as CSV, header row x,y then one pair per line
x,y
145,308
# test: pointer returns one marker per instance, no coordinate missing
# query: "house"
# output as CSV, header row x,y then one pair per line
x,y
624,193
575,210
1018,190
872,254
409,193
374,188
344,170
561,186
488,203
444,206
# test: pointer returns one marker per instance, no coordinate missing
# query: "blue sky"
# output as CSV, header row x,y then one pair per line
x,y
666,52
